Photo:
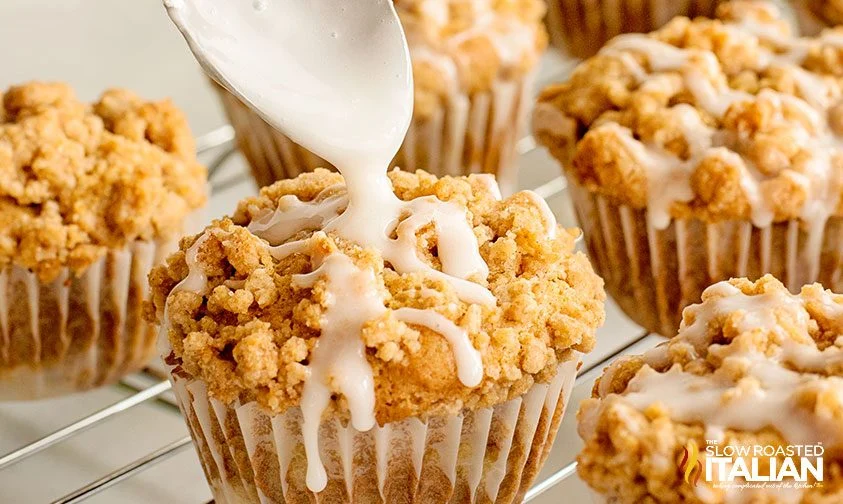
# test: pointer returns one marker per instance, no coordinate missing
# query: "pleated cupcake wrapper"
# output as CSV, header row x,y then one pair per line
x,y
467,134
653,274
482,456
76,332
581,27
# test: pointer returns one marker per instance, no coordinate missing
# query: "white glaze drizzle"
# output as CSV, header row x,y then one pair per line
x,y
767,393
195,281
669,176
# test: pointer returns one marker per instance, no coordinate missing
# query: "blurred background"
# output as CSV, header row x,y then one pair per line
x,y
94,44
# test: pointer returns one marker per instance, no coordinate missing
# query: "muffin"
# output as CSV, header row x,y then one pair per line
x,y
706,150
581,27
465,396
815,15
473,65
90,197
754,370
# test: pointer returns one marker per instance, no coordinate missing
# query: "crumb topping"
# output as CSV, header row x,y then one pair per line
x,y
464,46
716,119
250,334
77,180
752,365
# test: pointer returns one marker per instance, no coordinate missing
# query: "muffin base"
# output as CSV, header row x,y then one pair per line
x,y
77,332
466,134
482,456
582,27
654,274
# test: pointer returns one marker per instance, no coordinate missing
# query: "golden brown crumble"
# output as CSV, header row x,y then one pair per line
x,y
251,335
829,12
77,180
464,35
760,136
633,448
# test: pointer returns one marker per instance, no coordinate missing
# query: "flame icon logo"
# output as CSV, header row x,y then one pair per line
x,y
691,465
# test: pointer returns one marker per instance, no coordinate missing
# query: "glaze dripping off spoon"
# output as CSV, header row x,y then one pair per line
x,y
333,75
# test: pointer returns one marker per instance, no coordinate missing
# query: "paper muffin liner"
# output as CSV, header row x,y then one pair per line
x,y
481,456
581,27
467,134
76,332
653,274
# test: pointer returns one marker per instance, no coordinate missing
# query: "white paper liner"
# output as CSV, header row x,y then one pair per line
x,y
467,134
482,456
76,332
582,27
654,274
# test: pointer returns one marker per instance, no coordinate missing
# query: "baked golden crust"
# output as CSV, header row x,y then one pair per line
x,y
748,342
466,46
77,180
251,336
739,117
828,11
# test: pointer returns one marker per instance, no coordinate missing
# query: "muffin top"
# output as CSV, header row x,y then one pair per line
x,y
79,180
465,46
752,365
733,118
252,311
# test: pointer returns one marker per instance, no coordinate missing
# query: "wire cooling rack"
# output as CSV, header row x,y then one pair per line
x,y
148,386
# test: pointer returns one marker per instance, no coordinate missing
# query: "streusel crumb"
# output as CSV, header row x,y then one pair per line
x,y
752,365
469,45
731,118
77,180
251,335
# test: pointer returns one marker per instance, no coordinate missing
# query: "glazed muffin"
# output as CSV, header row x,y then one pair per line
x,y
581,27
816,15
90,197
473,63
707,150
752,366
466,395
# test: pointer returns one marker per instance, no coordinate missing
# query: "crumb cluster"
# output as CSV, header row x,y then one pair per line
x,y
633,447
476,43
250,334
77,180
777,141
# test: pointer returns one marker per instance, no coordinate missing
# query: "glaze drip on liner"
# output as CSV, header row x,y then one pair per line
x,y
341,86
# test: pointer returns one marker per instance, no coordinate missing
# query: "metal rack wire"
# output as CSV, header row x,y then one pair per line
x,y
146,386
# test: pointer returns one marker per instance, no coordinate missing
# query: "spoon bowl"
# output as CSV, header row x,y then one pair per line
x,y
333,75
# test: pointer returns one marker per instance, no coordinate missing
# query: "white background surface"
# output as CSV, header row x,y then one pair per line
x,y
95,44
